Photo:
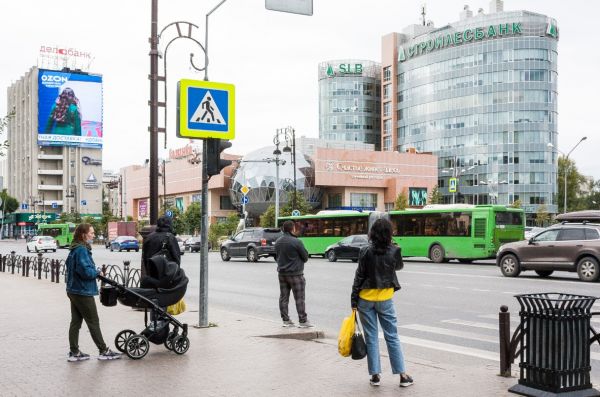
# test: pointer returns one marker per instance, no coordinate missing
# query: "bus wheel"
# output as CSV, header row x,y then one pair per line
x,y
331,256
436,254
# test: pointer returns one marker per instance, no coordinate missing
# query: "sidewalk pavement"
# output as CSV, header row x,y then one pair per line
x,y
234,358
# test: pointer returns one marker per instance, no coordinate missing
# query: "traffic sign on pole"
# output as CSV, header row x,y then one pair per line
x,y
295,213
205,109
245,189
169,213
245,200
453,185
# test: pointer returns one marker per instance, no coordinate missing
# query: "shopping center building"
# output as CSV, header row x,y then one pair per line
x,y
481,94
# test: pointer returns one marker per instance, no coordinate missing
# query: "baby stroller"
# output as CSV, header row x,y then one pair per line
x,y
165,285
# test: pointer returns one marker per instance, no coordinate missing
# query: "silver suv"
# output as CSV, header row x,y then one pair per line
x,y
572,247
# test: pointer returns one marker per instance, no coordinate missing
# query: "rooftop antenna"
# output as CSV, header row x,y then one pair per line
x,y
423,14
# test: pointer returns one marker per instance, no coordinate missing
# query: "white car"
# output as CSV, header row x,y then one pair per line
x,y
531,231
181,246
41,243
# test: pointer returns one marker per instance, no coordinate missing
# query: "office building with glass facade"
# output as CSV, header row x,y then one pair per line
x,y
481,94
349,101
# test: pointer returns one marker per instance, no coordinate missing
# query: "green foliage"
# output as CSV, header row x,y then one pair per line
x,y
301,205
69,217
9,203
179,224
401,201
516,204
223,228
542,217
267,219
3,123
193,218
435,197
575,181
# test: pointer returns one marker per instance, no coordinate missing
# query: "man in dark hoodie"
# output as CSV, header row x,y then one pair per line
x,y
291,256
163,235
81,275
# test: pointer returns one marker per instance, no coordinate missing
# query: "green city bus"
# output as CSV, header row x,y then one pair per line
x,y
439,232
62,232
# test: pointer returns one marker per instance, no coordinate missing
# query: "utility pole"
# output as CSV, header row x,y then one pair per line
x,y
154,114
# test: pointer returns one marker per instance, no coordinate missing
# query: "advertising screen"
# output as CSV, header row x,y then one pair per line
x,y
69,109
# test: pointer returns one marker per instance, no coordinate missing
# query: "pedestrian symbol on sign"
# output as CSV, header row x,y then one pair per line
x,y
453,184
207,112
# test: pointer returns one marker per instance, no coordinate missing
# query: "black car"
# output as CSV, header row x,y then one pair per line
x,y
252,243
194,244
347,248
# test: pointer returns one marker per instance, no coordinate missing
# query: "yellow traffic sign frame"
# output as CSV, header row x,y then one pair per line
x,y
183,129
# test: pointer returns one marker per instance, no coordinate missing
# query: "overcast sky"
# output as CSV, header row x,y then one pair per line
x,y
272,59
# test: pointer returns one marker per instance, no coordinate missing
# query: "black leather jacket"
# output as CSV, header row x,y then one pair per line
x,y
376,271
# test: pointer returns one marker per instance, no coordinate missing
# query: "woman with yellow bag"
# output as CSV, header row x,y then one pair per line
x,y
374,285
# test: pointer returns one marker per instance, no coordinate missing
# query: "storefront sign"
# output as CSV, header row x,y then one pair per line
x,y
345,69
91,182
457,38
345,167
417,196
90,161
185,151
143,208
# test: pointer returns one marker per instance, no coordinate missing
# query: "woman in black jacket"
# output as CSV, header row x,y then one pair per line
x,y
374,285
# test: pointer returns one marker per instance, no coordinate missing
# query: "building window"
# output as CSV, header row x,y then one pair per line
x,y
387,109
387,73
387,127
363,200
225,203
387,143
387,91
334,200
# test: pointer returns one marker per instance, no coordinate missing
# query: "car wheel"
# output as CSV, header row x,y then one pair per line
x,y
137,250
544,273
252,256
588,269
120,249
510,266
36,249
436,253
111,248
225,255
331,256
53,250
355,260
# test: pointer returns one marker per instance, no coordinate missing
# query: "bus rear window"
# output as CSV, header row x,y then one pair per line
x,y
509,218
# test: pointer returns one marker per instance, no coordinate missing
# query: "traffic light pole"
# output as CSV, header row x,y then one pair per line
x,y
203,295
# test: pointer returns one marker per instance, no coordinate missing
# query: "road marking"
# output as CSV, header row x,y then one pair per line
x,y
452,288
457,321
481,290
450,332
467,351
495,317
498,277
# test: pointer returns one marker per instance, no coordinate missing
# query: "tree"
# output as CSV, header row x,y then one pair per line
x,y
574,183
223,228
193,218
69,217
401,201
9,203
542,216
3,124
435,197
516,204
267,219
178,220
301,205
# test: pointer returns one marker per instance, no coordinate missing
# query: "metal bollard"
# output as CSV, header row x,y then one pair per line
x,y
13,259
504,331
126,272
39,265
24,264
52,273
26,267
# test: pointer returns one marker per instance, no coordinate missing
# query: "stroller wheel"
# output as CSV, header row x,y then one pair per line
x,y
137,347
181,344
169,341
121,339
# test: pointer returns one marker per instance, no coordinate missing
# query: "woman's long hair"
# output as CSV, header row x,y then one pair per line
x,y
380,236
80,231
65,99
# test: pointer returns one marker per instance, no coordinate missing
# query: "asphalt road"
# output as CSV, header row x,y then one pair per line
x,y
443,308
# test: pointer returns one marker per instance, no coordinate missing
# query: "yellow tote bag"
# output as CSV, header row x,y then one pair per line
x,y
345,335
177,308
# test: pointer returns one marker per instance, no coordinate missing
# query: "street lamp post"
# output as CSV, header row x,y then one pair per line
x,y
289,134
566,168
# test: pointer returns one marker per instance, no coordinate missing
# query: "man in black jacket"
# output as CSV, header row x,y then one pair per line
x,y
291,256
153,243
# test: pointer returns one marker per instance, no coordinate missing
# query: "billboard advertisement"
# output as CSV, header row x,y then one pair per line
x,y
417,196
69,109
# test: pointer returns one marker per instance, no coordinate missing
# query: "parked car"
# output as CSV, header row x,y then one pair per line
x,y
252,243
181,246
347,248
194,244
126,243
531,231
41,243
572,247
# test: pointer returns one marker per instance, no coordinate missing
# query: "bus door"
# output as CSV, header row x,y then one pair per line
x,y
482,238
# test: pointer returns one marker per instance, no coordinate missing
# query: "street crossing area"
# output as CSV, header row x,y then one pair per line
x,y
475,337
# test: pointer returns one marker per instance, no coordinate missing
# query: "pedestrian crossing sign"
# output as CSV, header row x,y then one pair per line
x,y
453,185
205,109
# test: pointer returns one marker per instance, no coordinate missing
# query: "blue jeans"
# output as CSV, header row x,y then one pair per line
x,y
385,311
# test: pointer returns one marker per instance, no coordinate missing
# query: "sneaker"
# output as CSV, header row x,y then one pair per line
x,y
305,324
109,355
375,379
79,356
288,324
405,380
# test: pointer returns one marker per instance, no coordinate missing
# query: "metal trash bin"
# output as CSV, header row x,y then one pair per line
x,y
555,356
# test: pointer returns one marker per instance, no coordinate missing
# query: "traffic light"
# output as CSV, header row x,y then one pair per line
x,y
214,163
